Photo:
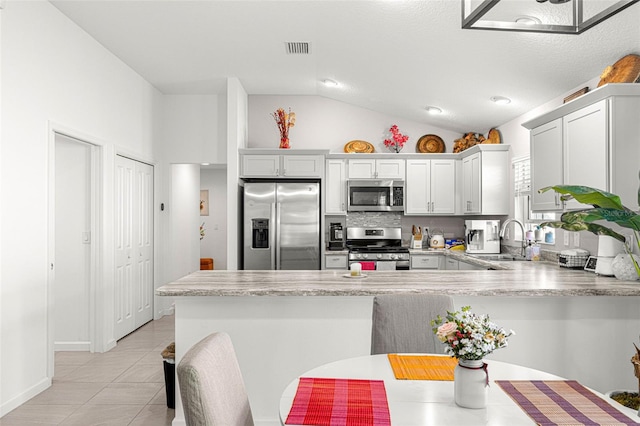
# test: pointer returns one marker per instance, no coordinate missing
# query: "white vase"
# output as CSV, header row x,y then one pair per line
x,y
471,383
623,268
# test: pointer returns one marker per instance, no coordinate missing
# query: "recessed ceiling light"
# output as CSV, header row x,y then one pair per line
x,y
433,110
528,20
330,83
500,100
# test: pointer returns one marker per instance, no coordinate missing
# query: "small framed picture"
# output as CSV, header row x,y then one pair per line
x,y
204,202
576,94
591,264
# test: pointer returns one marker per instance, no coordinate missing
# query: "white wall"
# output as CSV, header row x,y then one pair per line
x,y
323,123
53,74
214,242
190,125
237,136
185,220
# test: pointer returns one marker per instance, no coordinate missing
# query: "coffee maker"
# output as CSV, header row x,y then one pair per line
x,y
336,236
482,236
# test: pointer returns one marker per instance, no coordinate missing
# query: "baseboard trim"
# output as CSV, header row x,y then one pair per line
x,y
23,397
72,346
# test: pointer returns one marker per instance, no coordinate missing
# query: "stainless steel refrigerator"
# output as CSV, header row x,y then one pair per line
x,y
281,225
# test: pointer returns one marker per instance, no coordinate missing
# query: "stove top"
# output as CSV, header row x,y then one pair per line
x,y
387,249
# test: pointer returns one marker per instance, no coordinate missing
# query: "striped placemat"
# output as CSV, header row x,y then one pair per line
x,y
347,402
562,402
422,367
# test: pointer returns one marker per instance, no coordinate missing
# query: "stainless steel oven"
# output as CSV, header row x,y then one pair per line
x,y
375,195
377,249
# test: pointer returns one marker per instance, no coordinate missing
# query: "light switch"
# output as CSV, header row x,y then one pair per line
x,y
576,239
86,238
566,237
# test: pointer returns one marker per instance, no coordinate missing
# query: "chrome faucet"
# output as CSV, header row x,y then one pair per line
x,y
504,228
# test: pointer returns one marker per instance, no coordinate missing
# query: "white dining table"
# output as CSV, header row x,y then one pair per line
x,y
430,402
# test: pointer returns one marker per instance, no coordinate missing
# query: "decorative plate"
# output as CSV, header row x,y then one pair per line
x,y
625,70
493,136
359,146
430,144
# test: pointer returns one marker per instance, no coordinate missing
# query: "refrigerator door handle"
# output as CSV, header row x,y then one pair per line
x,y
273,237
276,247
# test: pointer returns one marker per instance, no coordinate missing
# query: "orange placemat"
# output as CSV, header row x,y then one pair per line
x,y
422,367
562,403
344,402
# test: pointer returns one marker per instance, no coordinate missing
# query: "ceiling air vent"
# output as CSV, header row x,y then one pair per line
x,y
298,47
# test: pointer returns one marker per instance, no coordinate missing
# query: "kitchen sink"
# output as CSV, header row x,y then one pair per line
x,y
496,257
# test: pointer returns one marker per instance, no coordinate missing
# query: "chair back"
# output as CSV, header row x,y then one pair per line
x,y
211,384
402,323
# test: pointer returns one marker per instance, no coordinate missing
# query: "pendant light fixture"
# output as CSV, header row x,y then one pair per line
x,y
548,16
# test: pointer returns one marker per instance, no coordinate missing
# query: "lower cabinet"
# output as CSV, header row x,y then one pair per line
x,y
336,261
427,261
459,265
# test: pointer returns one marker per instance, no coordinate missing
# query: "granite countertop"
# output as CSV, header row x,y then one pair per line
x,y
509,278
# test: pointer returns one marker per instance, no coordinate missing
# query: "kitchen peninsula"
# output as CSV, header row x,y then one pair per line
x,y
570,323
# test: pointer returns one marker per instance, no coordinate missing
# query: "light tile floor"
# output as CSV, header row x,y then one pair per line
x,y
124,386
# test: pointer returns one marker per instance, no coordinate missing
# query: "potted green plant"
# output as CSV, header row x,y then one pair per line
x,y
605,206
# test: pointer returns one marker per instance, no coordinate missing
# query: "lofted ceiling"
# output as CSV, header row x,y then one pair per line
x,y
392,56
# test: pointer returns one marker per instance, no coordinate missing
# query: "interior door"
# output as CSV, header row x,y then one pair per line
x,y
133,292
143,232
124,274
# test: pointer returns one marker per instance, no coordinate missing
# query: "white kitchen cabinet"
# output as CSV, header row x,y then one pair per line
x,y
335,187
282,166
546,165
486,182
336,261
369,168
430,187
594,140
471,183
451,264
585,136
431,261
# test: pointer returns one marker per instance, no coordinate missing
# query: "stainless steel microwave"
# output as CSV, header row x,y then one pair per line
x,y
375,195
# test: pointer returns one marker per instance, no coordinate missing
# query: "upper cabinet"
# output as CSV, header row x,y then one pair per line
x,y
335,187
430,187
546,165
591,141
485,181
282,166
368,168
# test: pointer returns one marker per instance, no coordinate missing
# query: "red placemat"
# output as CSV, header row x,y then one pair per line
x,y
562,402
345,402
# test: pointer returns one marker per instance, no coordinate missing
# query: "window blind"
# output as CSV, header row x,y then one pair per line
x,y
522,177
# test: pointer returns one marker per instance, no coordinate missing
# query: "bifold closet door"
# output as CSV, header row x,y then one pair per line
x,y
133,289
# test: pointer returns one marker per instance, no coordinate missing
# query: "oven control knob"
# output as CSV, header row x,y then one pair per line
x,y
379,255
392,256
365,255
358,256
400,256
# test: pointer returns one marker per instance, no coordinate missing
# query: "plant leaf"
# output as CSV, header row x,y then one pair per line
x,y
587,195
584,226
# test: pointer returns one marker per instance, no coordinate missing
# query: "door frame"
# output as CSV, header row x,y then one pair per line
x,y
96,325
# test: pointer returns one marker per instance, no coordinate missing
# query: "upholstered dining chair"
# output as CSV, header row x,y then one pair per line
x,y
401,323
211,384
